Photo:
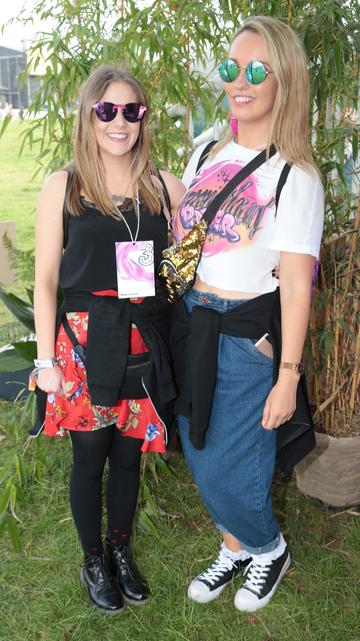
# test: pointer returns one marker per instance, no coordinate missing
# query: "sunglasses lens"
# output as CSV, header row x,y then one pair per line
x,y
105,111
256,72
132,111
228,70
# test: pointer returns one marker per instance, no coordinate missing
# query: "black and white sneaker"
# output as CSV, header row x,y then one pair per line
x,y
263,575
208,585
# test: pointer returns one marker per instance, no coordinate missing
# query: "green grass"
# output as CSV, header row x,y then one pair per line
x,y
40,595
18,196
42,600
18,187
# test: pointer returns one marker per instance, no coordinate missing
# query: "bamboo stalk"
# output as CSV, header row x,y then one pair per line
x,y
78,9
356,355
334,369
187,110
336,384
315,354
324,376
290,12
328,401
353,245
356,377
335,239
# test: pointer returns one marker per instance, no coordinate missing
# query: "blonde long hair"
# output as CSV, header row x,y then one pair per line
x,y
87,166
289,119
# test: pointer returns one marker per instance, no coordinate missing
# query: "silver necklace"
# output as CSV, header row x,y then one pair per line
x,y
119,198
134,238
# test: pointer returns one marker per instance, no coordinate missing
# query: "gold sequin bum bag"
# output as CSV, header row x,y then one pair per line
x,y
177,269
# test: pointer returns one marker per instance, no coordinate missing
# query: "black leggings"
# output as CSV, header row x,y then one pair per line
x,y
90,452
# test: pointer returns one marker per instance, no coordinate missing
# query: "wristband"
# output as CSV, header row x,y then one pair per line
x,y
45,363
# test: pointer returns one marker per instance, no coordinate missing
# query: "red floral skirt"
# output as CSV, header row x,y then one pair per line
x,y
74,411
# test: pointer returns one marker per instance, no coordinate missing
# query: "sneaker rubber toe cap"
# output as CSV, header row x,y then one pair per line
x,y
247,601
200,592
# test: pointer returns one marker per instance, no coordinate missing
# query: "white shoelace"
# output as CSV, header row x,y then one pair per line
x,y
216,570
256,575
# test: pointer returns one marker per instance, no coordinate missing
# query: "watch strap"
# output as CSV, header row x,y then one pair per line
x,y
296,367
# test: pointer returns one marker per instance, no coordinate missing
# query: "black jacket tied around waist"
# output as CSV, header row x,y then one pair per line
x,y
109,326
194,345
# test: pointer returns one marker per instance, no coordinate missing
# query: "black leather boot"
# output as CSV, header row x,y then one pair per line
x,y
104,594
131,583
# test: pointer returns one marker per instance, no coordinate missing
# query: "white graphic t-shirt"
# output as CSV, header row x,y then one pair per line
x,y
244,240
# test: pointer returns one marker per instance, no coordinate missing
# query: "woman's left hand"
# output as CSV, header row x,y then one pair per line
x,y
281,402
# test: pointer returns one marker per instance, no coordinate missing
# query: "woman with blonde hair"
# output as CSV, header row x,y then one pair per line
x,y
103,358
238,336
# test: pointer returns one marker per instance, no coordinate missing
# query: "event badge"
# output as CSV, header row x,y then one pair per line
x,y
135,269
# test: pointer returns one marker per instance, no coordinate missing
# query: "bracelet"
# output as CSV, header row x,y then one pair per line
x,y
45,363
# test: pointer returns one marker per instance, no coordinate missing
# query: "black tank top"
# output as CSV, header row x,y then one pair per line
x,y
88,262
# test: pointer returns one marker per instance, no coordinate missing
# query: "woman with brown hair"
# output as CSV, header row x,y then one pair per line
x,y
238,336
103,358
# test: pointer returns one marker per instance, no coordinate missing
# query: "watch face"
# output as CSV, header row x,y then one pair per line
x,y
300,368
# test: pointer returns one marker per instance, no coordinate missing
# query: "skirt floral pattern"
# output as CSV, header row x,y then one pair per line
x,y
74,411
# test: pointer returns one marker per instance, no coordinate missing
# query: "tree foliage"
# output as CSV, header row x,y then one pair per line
x,y
171,46
159,43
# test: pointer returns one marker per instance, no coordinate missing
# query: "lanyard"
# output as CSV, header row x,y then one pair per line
x,y
134,238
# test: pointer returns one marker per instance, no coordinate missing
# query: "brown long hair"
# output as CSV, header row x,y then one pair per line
x,y
87,166
290,114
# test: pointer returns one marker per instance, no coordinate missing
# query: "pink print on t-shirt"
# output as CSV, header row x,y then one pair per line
x,y
241,214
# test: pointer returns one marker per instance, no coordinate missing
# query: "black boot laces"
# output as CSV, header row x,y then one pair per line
x,y
103,578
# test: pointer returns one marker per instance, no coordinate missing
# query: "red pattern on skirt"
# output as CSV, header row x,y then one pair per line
x,y
74,411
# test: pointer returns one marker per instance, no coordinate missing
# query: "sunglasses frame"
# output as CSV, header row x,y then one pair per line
x,y
247,69
116,107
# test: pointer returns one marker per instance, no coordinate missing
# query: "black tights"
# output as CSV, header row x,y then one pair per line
x,y
90,452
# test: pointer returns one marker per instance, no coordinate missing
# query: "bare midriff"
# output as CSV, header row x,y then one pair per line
x,y
201,286
263,344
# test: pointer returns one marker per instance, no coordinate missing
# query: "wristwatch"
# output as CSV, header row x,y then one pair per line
x,y
296,367
44,363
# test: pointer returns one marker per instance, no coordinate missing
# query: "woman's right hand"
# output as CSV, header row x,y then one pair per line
x,y
51,380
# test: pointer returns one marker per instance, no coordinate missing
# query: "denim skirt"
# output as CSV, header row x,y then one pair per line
x,y
234,471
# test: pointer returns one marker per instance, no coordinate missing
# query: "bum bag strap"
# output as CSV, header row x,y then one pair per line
x,y
204,154
132,359
214,206
282,180
66,215
69,332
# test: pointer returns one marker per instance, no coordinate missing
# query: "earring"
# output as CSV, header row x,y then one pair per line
x,y
233,125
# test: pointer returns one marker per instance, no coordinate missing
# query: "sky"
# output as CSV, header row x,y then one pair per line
x,y
15,35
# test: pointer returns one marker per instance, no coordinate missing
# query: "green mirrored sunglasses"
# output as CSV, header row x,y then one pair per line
x,y
255,71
